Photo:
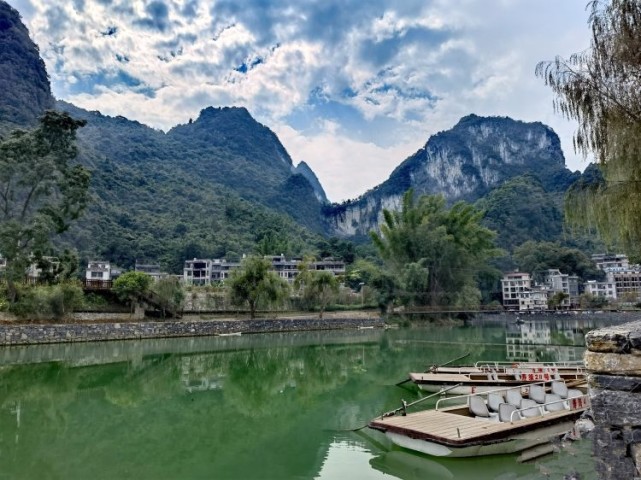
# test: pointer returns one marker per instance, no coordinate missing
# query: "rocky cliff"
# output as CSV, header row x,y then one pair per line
x,y
463,163
25,92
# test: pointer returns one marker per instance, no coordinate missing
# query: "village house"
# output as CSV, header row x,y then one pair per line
x,y
623,281
562,282
208,271
151,269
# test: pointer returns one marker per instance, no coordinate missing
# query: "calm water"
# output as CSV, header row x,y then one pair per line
x,y
256,406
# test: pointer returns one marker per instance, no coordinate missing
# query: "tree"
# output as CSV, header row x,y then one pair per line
x,y
41,192
363,272
317,287
435,253
557,299
537,257
131,287
255,283
169,294
601,89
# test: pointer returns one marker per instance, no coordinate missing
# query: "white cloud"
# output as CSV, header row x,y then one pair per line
x,y
345,167
389,73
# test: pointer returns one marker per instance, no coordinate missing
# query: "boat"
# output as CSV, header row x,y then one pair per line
x,y
502,421
485,376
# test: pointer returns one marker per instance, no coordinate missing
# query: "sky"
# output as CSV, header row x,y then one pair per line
x,y
351,87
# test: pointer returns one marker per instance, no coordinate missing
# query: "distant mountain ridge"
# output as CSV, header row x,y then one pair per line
x,y
213,187
218,185
463,163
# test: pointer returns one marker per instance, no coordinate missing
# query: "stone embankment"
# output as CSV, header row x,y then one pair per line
x,y
613,360
25,334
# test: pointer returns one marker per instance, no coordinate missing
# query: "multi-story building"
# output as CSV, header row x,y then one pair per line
x,y
197,271
623,281
627,282
516,291
221,269
605,289
206,271
607,261
98,270
562,282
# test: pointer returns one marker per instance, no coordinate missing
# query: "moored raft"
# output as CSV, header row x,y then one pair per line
x,y
496,422
486,376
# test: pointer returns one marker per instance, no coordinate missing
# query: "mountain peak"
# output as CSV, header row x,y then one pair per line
x,y
306,171
25,92
465,163
228,112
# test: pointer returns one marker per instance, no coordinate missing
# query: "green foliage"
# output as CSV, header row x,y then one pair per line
x,y
448,246
521,210
191,196
537,257
557,299
317,288
255,284
337,248
364,273
47,302
169,294
23,78
599,88
40,191
132,286
587,300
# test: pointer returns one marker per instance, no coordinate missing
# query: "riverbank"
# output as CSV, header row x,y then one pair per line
x,y
31,333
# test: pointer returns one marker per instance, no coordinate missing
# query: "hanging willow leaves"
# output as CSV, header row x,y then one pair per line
x,y
601,89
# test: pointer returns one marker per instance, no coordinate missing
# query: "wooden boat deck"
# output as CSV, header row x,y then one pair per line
x,y
457,429
482,378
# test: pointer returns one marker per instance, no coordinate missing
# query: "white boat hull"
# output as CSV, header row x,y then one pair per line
x,y
460,389
512,444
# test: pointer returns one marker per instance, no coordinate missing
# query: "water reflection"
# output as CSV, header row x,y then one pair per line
x,y
260,406
540,339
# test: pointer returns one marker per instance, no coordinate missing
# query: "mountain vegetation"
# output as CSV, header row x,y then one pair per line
x,y
41,191
435,254
521,210
466,162
222,185
152,202
24,84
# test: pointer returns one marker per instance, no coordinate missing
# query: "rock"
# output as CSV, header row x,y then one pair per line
x,y
612,363
624,338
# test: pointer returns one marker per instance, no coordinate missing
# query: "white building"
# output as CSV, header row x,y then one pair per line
x,y
562,282
516,288
98,271
605,289
607,261
206,271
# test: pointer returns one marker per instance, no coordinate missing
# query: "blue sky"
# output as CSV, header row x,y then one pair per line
x,y
352,87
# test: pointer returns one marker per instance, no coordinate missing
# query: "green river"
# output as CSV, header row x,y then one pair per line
x,y
268,406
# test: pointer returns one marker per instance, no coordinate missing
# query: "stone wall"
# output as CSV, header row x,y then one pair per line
x,y
613,360
82,332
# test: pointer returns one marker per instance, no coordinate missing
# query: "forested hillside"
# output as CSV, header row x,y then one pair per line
x,y
223,185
